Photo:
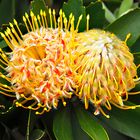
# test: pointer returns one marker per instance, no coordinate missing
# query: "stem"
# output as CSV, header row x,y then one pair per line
x,y
28,126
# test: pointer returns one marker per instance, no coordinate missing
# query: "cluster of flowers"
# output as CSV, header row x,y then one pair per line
x,y
52,62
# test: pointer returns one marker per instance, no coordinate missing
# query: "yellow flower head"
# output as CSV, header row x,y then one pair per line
x,y
39,65
106,70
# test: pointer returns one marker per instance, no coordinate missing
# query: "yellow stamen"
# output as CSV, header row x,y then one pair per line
x,y
5,77
36,23
42,18
86,102
6,94
46,23
24,19
127,37
79,20
27,98
54,18
50,13
88,17
101,110
32,17
107,105
72,24
38,17
14,31
69,22
15,22
61,16
134,93
11,35
7,41
27,17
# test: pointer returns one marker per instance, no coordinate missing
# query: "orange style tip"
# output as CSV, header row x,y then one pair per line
x,y
24,19
81,16
96,112
31,13
29,107
55,104
127,37
41,11
39,104
107,116
45,109
49,10
60,12
70,93
70,16
129,34
2,76
16,103
19,104
80,93
2,34
11,25
15,22
133,107
38,17
22,95
36,113
53,12
64,103
86,107
88,17
26,15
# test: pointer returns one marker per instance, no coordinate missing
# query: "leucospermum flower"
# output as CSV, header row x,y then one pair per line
x,y
106,70
39,64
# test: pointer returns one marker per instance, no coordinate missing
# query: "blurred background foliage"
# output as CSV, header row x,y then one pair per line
x,y
73,122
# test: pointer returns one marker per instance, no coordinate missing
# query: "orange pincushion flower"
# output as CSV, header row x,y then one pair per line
x,y
106,70
39,65
48,64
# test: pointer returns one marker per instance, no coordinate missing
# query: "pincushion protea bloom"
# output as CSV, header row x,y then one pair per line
x,y
39,65
106,70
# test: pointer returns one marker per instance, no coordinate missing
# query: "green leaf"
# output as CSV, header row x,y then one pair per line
x,y
136,51
108,14
97,15
5,133
125,121
128,23
62,127
78,133
90,125
37,5
113,134
117,1
3,44
87,2
76,8
125,6
135,5
37,134
22,6
7,11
